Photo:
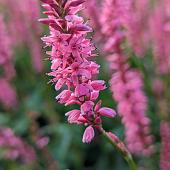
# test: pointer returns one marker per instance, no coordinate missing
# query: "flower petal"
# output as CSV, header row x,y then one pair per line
x,y
105,111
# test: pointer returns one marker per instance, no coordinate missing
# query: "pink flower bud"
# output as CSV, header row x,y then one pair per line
x,y
76,2
47,1
98,84
80,27
49,13
94,95
115,138
98,120
105,111
56,8
98,106
46,21
88,135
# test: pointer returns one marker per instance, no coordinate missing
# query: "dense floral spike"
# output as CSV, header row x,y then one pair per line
x,y
160,36
137,26
6,52
165,146
69,53
14,147
92,12
125,83
8,96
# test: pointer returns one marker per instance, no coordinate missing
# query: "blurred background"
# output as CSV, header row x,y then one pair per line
x,y
34,134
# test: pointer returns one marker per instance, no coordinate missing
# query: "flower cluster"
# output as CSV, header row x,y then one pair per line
x,y
165,146
92,12
14,147
22,27
160,34
8,96
125,83
137,26
69,54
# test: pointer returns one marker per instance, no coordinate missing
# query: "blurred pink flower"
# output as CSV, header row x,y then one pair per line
x,y
42,142
126,84
6,51
165,146
160,37
23,28
14,147
136,25
92,12
8,96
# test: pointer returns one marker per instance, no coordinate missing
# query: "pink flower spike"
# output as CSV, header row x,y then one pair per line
x,y
98,106
88,135
105,111
115,138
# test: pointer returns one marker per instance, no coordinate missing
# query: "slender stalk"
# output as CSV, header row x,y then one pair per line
x,y
122,149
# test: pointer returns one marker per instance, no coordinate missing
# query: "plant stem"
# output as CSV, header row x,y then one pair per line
x,y
122,149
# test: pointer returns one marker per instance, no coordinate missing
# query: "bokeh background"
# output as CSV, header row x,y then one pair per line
x,y
34,134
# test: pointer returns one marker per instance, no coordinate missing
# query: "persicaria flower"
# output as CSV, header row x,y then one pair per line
x,y
69,55
165,145
126,83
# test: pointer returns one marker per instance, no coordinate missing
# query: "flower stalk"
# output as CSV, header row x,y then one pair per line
x,y
70,52
122,149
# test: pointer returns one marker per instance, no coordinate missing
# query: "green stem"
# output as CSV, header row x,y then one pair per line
x,y
122,150
130,161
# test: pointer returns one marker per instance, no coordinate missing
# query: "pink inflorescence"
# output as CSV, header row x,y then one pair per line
x,y
8,96
165,146
70,66
136,24
125,83
22,27
6,52
92,12
160,34
14,147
